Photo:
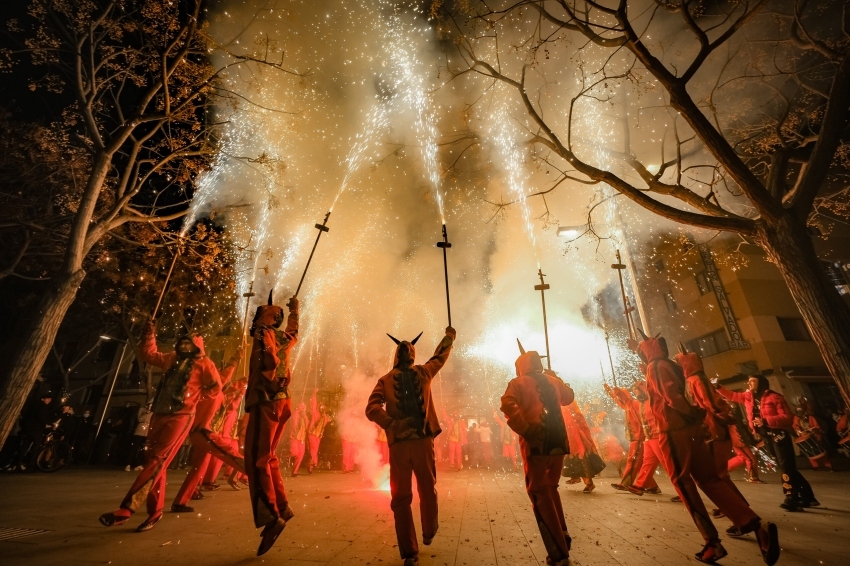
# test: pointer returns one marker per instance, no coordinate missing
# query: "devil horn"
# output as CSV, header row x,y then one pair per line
x,y
641,332
521,349
394,339
271,291
657,335
413,342
682,348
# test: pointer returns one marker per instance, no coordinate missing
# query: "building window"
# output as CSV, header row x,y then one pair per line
x,y
659,265
836,277
670,302
710,344
702,283
794,329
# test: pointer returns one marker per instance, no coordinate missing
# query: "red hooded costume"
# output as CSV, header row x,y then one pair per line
x,y
718,414
187,376
268,404
682,445
532,406
233,393
401,404
634,433
645,480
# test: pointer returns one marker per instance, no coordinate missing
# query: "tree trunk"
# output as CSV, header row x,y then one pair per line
x,y
789,245
35,348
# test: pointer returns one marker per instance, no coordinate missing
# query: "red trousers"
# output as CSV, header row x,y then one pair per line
x,y
634,462
455,455
409,458
205,446
721,450
314,442
542,474
651,457
689,463
743,457
349,452
265,427
165,436
296,449
226,438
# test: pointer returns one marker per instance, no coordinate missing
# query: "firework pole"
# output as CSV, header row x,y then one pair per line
x,y
610,359
245,357
446,245
323,227
542,288
627,308
165,284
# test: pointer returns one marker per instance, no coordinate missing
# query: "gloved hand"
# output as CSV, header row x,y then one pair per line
x,y
292,305
403,428
451,332
236,357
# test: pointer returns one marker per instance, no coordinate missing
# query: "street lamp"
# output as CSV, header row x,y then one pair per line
x,y
107,338
571,231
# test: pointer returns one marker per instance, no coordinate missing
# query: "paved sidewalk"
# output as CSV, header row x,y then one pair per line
x,y
485,519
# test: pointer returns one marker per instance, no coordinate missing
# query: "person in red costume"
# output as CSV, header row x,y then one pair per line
x,y
298,437
718,414
579,464
532,407
457,439
509,440
233,392
634,434
402,405
206,444
688,461
645,480
319,419
742,441
268,404
187,376
770,419
349,449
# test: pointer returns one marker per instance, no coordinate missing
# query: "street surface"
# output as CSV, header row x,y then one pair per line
x,y
485,519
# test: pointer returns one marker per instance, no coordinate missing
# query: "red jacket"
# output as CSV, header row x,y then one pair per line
x,y
624,400
666,387
775,412
269,374
383,406
203,377
718,413
521,402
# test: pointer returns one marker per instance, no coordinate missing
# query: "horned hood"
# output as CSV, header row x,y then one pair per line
x,y
690,362
405,352
651,349
197,340
528,362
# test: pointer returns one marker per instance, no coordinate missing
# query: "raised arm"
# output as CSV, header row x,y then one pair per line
x,y
620,396
441,354
149,353
229,369
736,396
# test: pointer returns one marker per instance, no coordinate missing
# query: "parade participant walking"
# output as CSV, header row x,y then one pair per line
x,y
718,414
509,441
188,375
688,461
810,438
583,461
207,444
136,455
532,406
770,419
645,481
233,393
457,440
742,441
486,438
319,419
402,405
634,434
268,403
298,437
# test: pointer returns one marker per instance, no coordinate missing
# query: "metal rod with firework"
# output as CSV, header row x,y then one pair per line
x,y
610,359
245,357
619,266
165,284
542,288
446,245
322,228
